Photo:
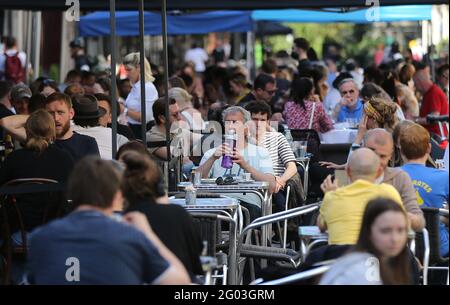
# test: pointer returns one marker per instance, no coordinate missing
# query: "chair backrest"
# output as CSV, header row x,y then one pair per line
x,y
436,150
431,216
27,203
313,139
172,171
337,153
207,225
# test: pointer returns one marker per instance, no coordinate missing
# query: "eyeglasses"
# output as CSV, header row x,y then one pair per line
x,y
351,91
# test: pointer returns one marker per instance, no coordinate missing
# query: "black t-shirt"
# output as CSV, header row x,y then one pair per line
x,y
4,112
125,131
53,163
79,146
174,226
81,61
304,67
246,100
100,249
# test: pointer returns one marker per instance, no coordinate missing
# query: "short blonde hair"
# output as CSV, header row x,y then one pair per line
x,y
133,60
182,97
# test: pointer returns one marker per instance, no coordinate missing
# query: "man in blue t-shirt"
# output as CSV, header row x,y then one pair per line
x,y
350,105
431,184
91,247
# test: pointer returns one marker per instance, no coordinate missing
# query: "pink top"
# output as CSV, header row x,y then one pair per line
x,y
298,118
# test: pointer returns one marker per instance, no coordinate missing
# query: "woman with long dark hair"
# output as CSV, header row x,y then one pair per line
x,y
380,256
305,109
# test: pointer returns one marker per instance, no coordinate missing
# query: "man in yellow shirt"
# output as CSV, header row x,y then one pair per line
x,y
342,210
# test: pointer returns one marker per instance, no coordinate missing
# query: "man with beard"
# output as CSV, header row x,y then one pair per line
x,y
59,105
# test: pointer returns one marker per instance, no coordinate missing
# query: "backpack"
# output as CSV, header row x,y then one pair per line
x,y
13,69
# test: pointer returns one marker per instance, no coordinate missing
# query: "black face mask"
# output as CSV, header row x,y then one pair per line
x,y
294,55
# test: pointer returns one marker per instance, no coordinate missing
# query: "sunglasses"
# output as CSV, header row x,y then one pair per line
x,y
225,181
271,92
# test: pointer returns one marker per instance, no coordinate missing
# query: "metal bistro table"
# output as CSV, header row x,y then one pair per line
x,y
225,206
304,163
259,188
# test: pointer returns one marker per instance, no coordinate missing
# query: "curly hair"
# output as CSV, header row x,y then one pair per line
x,y
382,111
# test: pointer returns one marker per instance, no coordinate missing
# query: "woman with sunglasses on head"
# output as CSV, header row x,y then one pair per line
x,y
381,254
379,112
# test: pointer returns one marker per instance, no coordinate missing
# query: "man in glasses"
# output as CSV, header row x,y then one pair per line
x,y
264,88
179,132
350,105
247,158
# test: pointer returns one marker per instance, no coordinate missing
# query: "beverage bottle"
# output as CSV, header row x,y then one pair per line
x,y
230,139
288,136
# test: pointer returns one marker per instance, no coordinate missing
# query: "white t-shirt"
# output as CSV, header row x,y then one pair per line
x,y
198,56
22,56
133,101
258,157
103,136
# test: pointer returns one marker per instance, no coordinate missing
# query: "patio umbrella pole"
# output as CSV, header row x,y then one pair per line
x,y
142,65
112,24
166,71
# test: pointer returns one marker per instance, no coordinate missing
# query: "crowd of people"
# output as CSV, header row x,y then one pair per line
x,y
121,225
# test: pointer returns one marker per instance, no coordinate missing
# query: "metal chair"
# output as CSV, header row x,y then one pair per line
x,y
427,243
13,195
247,250
313,139
301,276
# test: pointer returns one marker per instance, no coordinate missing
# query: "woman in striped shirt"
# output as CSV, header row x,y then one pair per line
x,y
283,159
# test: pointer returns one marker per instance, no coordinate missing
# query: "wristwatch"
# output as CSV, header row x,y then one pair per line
x,y
125,111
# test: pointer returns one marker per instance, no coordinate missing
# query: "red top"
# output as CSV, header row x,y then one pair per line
x,y
298,118
434,100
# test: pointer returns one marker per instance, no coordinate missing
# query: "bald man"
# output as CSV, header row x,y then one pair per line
x,y
342,210
380,141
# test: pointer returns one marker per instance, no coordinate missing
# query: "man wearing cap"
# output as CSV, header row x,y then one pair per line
x,y
77,53
59,105
20,97
86,120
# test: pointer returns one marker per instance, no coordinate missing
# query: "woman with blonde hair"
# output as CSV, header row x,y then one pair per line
x,y
379,112
39,158
133,102
188,113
